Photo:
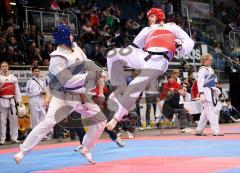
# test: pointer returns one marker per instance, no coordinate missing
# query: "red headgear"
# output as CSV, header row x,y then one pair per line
x,y
158,12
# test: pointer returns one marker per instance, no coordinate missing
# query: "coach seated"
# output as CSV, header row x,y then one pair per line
x,y
172,106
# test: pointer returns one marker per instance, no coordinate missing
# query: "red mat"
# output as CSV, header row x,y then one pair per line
x,y
155,165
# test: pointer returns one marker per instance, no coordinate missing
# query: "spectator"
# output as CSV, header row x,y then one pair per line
x,y
33,34
38,55
99,56
88,32
218,47
94,19
31,52
176,74
186,67
54,5
186,83
105,31
141,19
45,62
3,46
228,112
237,62
47,51
25,38
108,15
235,53
12,57
34,63
63,4
169,87
186,96
191,78
9,33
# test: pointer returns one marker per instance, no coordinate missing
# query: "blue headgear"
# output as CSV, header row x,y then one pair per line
x,y
61,35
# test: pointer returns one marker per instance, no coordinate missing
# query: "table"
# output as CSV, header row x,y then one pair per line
x,y
194,107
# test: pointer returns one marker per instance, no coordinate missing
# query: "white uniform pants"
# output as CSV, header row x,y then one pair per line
x,y
58,110
134,58
13,119
37,114
210,114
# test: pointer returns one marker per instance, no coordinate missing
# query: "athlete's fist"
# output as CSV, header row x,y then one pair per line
x,y
202,97
178,44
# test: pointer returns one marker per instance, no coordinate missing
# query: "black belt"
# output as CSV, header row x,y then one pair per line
x,y
11,109
134,45
164,54
214,101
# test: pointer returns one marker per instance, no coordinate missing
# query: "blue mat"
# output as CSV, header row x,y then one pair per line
x,y
66,157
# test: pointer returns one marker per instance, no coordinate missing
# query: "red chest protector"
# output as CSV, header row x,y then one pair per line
x,y
160,40
7,89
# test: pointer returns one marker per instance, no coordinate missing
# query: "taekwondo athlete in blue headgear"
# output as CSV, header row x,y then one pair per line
x,y
67,87
61,35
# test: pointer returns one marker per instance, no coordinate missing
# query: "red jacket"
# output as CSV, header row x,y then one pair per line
x,y
96,90
166,87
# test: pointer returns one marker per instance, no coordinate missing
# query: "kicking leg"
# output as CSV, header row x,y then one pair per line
x,y
57,112
132,93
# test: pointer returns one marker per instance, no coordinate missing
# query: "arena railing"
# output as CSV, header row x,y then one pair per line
x,y
47,20
217,31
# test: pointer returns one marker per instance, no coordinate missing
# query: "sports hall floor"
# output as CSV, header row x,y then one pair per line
x,y
152,151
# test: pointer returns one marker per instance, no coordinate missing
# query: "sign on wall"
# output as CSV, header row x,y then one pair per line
x,y
193,58
24,75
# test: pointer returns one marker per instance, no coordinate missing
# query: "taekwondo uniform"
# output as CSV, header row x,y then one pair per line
x,y
151,51
36,100
68,76
66,84
206,83
9,95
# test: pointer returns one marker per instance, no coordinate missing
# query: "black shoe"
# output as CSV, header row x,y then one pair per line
x,y
200,134
220,134
158,126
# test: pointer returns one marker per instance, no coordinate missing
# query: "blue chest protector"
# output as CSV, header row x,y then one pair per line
x,y
210,81
56,85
